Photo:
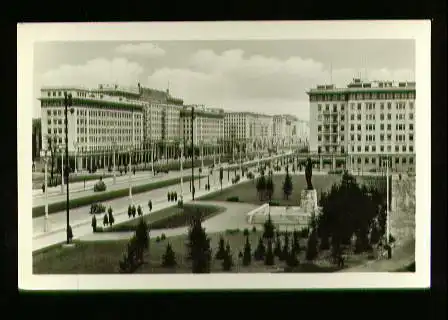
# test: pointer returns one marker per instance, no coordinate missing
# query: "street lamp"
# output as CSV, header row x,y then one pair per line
x,y
61,150
130,175
44,156
75,144
114,146
181,147
192,153
67,103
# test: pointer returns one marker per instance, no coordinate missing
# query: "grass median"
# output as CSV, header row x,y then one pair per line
x,y
172,217
104,196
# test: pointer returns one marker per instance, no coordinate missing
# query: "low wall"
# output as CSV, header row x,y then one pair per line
x,y
279,216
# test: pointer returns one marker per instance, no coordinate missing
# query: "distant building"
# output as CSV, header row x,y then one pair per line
x,y
366,121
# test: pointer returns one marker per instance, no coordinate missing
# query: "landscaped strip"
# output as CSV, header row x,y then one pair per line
x,y
172,217
79,202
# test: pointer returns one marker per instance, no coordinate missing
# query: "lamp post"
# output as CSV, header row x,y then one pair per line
x,y
192,153
44,156
387,203
130,175
67,103
75,144
61,150
114,146
181,147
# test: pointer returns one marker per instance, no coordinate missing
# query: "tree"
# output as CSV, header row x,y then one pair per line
x,y
105,220
198,247
260,251
247,253
129,211
221,249
291,259
285,250
295,242
52,147
278,247
94,223
261,186
111,216
142,237
269,258
287,186
268,232
169,257
227,262
221,176
269,187
134,211
311,250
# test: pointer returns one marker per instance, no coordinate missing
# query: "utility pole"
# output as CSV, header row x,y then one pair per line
x,y
67,103
192,153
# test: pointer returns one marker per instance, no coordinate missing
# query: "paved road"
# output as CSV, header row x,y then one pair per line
x,y
83,219
77,189
233,217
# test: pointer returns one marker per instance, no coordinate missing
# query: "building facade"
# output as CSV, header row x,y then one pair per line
x,y
97,123
366,121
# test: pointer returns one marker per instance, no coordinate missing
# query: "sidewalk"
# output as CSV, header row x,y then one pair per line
x,y
82,227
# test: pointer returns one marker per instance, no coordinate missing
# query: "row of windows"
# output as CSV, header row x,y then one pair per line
x,y
382,148
371,127
398,137
362,96
367,160
96,113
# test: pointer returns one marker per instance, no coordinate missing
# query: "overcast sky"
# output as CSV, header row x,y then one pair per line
x,y
263,76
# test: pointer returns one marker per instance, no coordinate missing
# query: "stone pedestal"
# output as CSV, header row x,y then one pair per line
x,y
308,201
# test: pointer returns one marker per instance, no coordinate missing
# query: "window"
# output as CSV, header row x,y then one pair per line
x,y
342,128
319,138
389,106
382,116
389,127
411,137
352,137
319,128
342,107
359,127
382,126
389,148
411,148
342,118
373,148
359,137
373,160
411,105
411,126
397,149
359,148
411,116
359,107
403,148
342,138
352,117
359,160
381,106
389,116
366,160
382,148
359,117
319,107
381,137
49,131
366,148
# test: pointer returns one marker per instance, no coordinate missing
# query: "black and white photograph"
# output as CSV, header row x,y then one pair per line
x,y
247,154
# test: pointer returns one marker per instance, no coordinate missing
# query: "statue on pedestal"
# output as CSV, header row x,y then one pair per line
x,y
309,173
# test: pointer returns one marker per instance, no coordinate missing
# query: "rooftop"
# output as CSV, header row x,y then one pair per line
x,y
358,85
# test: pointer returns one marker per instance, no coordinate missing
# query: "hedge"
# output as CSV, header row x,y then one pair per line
x,y
76,203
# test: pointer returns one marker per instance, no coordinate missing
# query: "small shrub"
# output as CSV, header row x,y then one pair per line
x,y
246,232
169,257
254,229
232,231
99,186
162,237
247,253
260,251
180,204
274,203
169,196
221,249
304,233
227,262
157,239
269,257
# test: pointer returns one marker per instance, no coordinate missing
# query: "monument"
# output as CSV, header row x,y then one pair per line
x,y
308,199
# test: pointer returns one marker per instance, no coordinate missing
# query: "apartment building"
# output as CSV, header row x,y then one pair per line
x,y
366,121
96,123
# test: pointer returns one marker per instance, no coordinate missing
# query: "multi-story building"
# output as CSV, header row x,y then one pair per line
x,y
208,128
97,123
253,130
366,121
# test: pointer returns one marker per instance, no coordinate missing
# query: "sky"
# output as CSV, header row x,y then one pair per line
x,y
269,76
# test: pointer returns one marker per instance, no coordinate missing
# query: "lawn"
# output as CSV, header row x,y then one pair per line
x,y
102,257
104,196
247,192
172,217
